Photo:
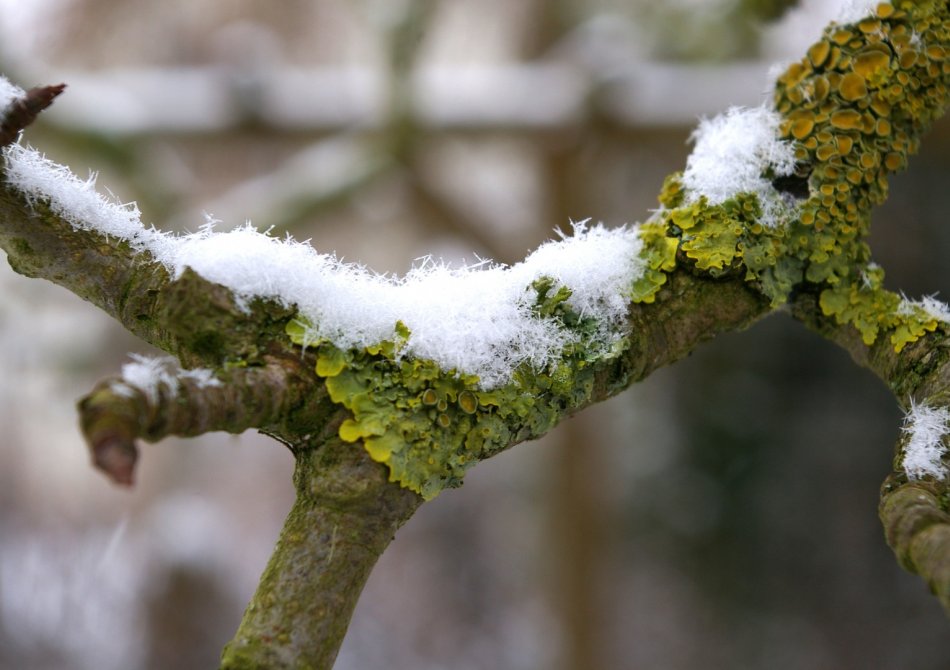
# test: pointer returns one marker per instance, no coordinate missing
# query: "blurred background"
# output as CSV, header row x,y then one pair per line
x,y
723,514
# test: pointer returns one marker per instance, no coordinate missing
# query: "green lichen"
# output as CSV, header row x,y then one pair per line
x,y
717,240
873,310
855,108
857,105
430,425
659,256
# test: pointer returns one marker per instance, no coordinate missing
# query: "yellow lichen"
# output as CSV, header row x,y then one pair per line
x,y
846,119
818,53
852,87
869,62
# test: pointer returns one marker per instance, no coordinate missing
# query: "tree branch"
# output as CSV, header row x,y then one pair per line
x,y
345,515
917,528
709,264
914,513
194,319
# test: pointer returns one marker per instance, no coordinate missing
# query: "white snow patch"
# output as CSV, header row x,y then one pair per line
x,y
476,320
74,199
202,377
733,151
149,375
927,426
857,10
936,309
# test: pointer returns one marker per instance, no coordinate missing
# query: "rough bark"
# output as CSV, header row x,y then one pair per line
x,y
345,515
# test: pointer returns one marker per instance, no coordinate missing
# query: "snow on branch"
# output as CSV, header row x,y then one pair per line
x,y
855,10
935,309
479,320
74,199
926,427
733,152
149,375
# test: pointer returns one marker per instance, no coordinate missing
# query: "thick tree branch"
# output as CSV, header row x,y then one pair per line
x,y
345,515
918,371
688,311
189,317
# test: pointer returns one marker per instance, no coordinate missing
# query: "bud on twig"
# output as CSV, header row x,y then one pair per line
x,y
23,111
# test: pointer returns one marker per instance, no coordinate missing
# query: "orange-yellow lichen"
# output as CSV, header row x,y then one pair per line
x,y
887,78
852,87
846,119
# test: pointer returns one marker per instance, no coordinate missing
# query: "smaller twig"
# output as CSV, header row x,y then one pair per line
x,y
23,111
117,413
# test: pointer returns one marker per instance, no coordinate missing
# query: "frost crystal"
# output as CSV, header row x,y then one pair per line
x,y
926,426
477,320
733,154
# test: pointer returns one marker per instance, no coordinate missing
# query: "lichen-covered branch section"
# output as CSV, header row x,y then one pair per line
x,y
858,105
154,399
429,424
852,111
917,528
783,196
915,498
439,369
778,197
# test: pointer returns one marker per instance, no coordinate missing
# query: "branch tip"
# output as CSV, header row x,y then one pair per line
x,y
23,111
116,457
